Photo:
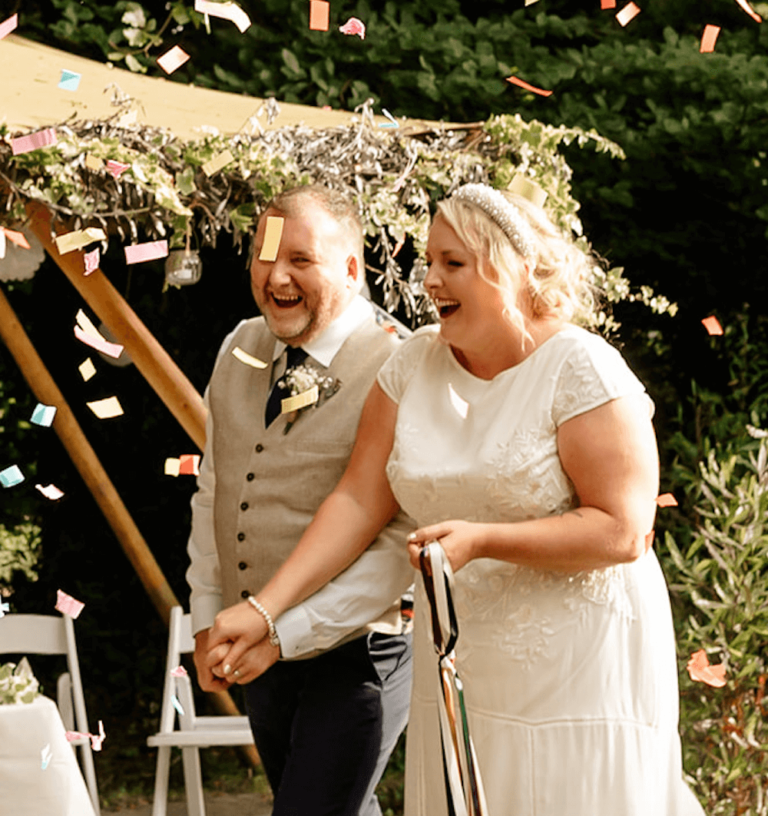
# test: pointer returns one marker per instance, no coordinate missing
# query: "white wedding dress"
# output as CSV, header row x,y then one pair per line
x,y
570,680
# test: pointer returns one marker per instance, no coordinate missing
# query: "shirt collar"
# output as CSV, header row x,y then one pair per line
x,y
325,347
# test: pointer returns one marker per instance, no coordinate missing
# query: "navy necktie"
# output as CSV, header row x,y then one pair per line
x,y
294,356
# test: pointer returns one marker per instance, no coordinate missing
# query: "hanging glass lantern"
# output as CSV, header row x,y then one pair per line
x,y
183,267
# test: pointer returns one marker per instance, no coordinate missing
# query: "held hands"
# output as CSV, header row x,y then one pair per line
x,y
461,540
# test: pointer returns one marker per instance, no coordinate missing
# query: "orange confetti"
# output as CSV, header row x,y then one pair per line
x,y
319,15
666,500
700,670
629,12
712,325
189,464
708,39
752,13
17,238
649,540
519,82
607,4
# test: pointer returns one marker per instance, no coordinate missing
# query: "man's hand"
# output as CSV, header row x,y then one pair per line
x,y
205,676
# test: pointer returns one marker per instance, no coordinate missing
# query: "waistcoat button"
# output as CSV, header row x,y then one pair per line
x,y
242,565
241,536
259,448
245,593
244,506
251,477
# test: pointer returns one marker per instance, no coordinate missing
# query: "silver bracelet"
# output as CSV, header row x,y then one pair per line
x,y
273,638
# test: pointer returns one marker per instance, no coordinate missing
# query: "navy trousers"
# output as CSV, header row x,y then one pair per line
x,y
325,727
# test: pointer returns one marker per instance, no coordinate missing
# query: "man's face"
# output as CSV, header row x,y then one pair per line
x,y
313,278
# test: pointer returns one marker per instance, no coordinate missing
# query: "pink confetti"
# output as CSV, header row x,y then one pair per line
x,y
712,325
8,25
353,26
99,343
96,739
700,670
50,491
68,605
151,251
173,59
179,671
752,13
92,260
522,84
607,4
43,138
189,464
629,12
15,237
666,500
319,15
116,168
708,39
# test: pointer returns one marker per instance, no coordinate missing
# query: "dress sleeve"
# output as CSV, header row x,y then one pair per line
x,y
399,369
593,373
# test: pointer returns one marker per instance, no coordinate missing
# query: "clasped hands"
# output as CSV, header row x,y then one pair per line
x,y
234,650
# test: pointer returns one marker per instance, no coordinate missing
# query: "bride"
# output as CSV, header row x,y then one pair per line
x,y
524,444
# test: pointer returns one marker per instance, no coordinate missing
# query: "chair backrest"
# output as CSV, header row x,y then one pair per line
x,y
180,641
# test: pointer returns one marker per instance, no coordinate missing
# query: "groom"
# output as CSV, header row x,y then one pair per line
x,y
328,710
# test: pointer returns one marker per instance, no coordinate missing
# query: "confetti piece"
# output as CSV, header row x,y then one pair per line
x,y
355,26
217,162
225,11
43,138
398,246
172,466
515,81
530,2
97,740
246,358
629,12
151,251
526,188
50,491
45,756
116,168
11,476
92,163
177,705
189,464
392,121
106,408
68,605
272,235
708,39
87,369
70,80
319,15
172,59
43,415
128,118
607,4
649,540
15,237
87,333
300,400
712,325
666,500
71,241
4,607
752,13
91,260
460,405
8,25
700,670
179,671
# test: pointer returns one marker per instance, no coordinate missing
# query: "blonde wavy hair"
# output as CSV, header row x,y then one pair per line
x,y
557,279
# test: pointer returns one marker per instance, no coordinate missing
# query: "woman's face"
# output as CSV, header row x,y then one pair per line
x,y
471,309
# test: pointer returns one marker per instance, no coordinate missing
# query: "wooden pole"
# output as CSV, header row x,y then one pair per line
x,y
98,482
152,360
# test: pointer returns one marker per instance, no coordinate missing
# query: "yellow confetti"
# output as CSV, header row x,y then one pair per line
x,y
272,236
300,400
217,162
246,358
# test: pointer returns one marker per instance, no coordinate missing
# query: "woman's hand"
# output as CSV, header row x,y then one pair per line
x,y
461,540
250,664
243,626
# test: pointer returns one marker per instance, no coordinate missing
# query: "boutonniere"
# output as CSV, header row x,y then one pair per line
x,y
308,388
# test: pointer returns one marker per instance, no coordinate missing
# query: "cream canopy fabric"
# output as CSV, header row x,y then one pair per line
x,y
30,97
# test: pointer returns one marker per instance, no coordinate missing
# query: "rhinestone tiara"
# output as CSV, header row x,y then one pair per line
x,y
503,213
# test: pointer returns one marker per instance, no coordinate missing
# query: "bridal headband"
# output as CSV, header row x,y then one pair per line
x,y
503,213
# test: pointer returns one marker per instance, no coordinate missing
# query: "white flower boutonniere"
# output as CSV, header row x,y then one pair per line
x,y
308,388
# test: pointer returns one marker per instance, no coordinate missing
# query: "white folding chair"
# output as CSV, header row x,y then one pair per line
x,y
193,732
53,635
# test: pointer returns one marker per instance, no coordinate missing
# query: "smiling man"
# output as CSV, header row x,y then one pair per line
x,y
327,712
